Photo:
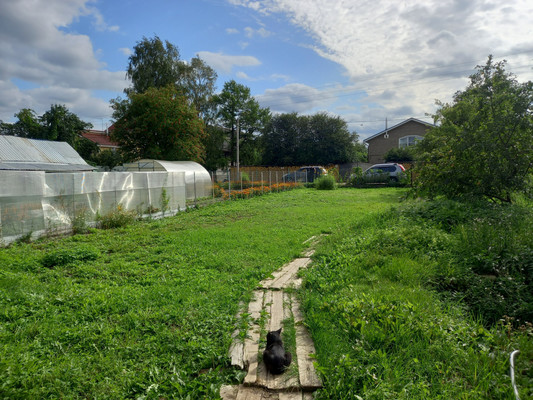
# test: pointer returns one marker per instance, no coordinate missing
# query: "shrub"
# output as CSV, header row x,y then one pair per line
x,y
326,182
116,218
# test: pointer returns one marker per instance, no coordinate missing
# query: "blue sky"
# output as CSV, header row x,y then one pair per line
x,y
365,61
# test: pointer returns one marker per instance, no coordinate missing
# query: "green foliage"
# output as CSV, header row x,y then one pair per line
x,y
158,124
63,257
153,64
399,155
56,124
27,125
107,158
234,104
381,332
483,144
197,82
290,139
117,218
325,182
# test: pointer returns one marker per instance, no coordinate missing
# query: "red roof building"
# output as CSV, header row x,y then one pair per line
x,y
101,138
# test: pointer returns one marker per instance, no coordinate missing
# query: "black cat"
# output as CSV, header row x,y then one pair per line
x,y
275,357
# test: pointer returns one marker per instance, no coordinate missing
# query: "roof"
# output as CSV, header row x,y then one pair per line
x,y
397,126
101,138
21,154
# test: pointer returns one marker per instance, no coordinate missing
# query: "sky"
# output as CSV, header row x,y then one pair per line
x,y
374,63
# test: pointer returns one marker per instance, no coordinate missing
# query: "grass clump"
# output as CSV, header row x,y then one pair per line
x,y
117,218
67,256
325,182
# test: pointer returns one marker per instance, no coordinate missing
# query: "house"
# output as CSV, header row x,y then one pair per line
x,y
101,138
404,134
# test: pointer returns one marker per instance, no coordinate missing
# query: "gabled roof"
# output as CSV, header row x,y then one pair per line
x,y
101,138
21,154
397,126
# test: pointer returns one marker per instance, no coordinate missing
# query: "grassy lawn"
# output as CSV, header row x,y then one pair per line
x,y
147,311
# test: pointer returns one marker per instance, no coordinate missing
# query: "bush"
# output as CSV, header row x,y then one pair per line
x,y
326,182
116,219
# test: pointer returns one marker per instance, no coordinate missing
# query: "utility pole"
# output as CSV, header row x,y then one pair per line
x,y
238,162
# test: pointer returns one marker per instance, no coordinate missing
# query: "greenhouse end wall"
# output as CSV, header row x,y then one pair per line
x,y
35,203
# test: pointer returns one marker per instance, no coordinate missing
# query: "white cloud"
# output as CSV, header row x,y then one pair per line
x,y
36,49
418,51
126,51
294,97
251,32
244,76
232,31
225,63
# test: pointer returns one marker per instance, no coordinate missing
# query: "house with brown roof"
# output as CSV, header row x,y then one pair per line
x,y
101,138
404,134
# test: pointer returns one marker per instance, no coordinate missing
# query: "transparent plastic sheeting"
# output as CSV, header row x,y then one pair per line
x,y
33,202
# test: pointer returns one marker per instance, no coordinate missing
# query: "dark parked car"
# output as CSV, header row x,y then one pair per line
x,y
305,174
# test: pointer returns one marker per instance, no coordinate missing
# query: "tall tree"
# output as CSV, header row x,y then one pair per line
x,y
28,125
317,139
62,125
197,81
235,103
282,139
159,123
153,64
483,144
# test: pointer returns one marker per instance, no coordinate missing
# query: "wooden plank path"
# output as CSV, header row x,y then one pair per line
x,y
272,304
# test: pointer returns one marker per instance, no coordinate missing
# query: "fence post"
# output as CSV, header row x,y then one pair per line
x,y
72,222
229,184
194,177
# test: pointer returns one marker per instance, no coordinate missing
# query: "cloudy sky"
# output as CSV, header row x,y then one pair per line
x,y
366,61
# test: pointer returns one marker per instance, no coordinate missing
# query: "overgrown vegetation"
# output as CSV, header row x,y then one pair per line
x,y
325,182
147,310
482,145
425,302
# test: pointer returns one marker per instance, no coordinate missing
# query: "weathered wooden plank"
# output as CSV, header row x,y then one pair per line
x,y
309,379
256,305
290,396
236,349
276,311
229,392
251,343
236,353
296,312
283,381
290,272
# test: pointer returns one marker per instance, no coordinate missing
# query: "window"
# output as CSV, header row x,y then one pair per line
x,y
407,141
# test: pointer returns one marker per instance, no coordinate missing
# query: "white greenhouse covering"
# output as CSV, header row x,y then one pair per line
x,y
35,202
197,179
21,154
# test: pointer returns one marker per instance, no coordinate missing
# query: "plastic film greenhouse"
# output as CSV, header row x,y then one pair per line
x,y
34,202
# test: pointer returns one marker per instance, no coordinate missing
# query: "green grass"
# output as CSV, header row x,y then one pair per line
x,y
147,310
386,328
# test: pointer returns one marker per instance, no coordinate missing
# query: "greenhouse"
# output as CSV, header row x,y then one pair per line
x,y
197,179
